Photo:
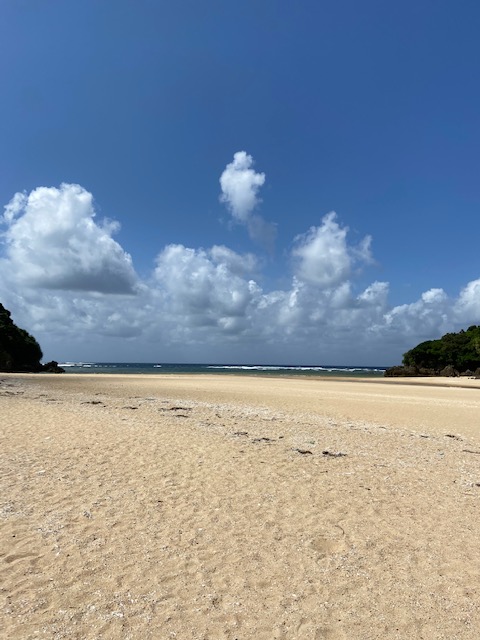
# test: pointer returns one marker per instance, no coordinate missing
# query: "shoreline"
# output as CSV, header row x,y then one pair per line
x,y
238,507
464,382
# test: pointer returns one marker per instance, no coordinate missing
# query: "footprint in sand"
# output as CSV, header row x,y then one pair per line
x,y
330,539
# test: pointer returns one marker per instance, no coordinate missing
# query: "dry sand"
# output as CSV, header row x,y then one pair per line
x,y
218,507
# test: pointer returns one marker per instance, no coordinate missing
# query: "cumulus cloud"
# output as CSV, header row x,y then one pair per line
x,y
240,185
429,316
53,242
239,265
467,307
205,288
375,294
213,293
322,256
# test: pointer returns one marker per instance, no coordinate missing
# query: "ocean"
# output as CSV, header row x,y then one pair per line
x,y
224,369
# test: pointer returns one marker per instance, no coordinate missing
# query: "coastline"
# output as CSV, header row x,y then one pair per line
x,y
239,507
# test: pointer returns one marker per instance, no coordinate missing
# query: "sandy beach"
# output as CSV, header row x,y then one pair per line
x,y
239,508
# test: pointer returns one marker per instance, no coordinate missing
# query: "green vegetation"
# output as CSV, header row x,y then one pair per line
x,y
19,351
458,350
452,355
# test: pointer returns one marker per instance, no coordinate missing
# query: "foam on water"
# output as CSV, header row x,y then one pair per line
x,y
239,369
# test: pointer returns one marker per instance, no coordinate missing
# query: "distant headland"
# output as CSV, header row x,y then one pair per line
x,y
454,354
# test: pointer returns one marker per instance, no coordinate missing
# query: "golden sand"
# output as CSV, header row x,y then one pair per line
x,y
226,507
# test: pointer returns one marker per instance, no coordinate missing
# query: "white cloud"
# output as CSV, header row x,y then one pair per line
x,y
375,294
322,256
363,252
53,242
240,265
240,185
205,288
434,297
428,317
14,207
467,307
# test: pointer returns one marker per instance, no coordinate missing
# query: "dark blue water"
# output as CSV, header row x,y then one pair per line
x,y
224,369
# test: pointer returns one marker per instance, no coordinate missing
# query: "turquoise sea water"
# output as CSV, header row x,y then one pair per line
x,y
224,369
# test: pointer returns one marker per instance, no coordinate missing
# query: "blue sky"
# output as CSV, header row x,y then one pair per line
x,y
370,110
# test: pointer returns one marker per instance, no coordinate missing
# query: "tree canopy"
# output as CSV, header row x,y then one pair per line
x,y
459,350
19,351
